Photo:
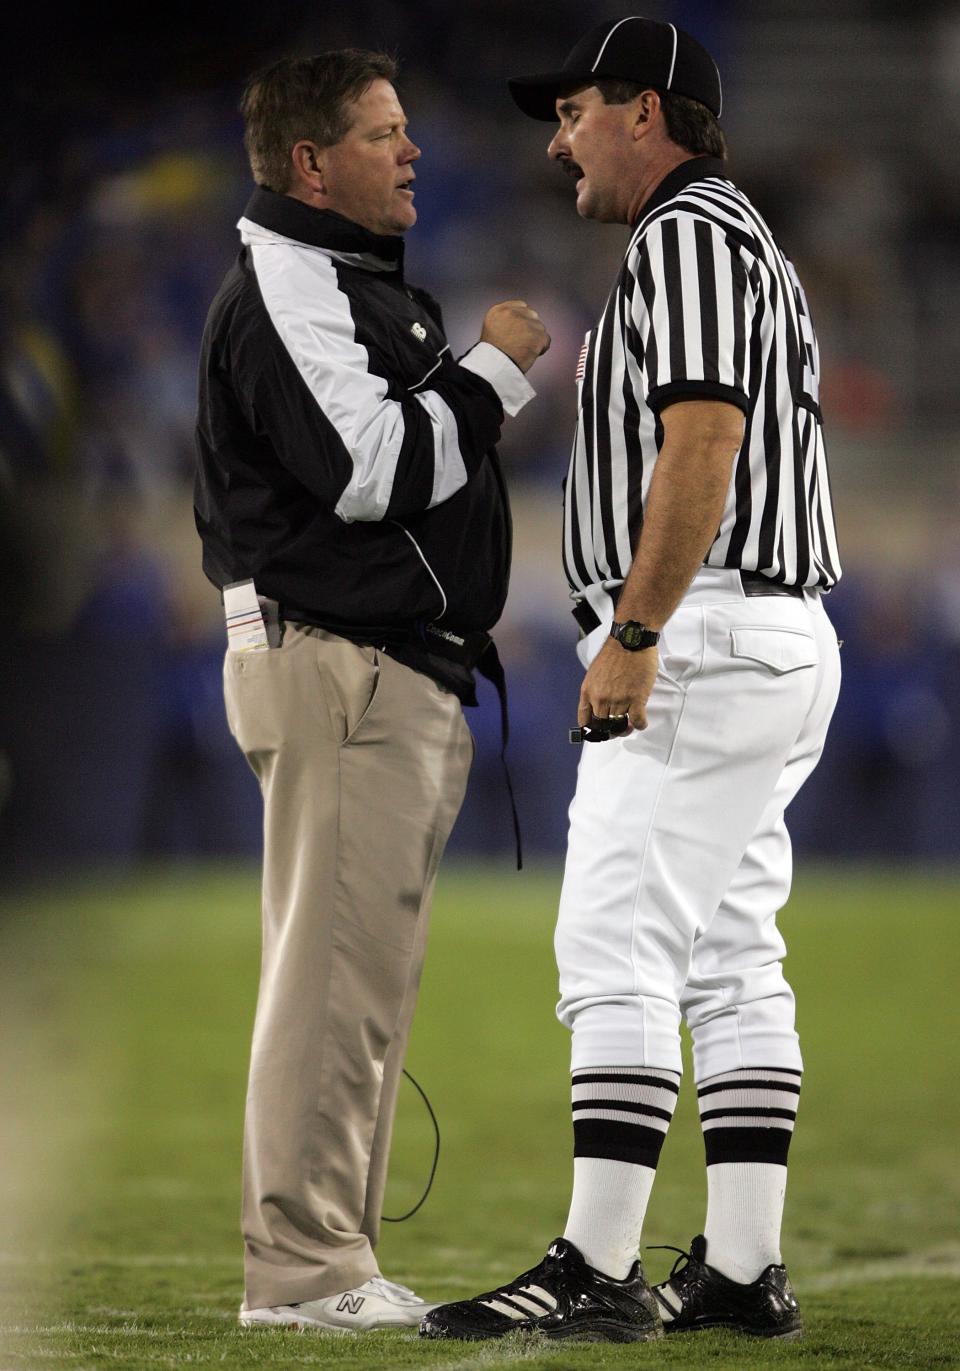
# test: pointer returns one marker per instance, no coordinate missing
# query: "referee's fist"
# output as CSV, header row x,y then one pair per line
x,y
516,329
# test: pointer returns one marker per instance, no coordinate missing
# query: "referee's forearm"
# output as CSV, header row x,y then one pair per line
x,y
684,509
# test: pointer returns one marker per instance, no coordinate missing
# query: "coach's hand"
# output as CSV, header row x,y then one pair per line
x,y
618,682
516,329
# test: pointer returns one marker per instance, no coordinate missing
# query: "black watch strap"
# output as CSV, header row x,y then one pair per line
x,y
633,636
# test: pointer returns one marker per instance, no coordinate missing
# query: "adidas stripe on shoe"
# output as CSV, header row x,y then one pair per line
x,y
561,1297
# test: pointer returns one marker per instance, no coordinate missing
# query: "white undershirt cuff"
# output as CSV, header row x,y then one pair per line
x,y
503,374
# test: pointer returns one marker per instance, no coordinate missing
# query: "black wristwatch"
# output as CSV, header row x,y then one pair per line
x,y
633,636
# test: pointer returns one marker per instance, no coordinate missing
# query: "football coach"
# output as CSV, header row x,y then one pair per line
x,y
353,512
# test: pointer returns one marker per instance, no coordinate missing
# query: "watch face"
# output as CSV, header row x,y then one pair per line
x,y
632,635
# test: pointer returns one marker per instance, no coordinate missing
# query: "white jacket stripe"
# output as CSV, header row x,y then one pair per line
x,y
336,370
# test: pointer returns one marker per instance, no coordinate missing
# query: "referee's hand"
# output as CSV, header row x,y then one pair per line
x,y
618,682
517,330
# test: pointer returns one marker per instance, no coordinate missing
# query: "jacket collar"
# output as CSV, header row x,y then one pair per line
x,y
323,228
694,169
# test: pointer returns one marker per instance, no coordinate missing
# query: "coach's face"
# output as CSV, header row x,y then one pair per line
x,y
368,176
595,143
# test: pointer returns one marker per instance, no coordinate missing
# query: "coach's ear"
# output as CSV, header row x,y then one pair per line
x,y
307,168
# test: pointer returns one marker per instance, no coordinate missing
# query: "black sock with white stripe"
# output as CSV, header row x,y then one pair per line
x,y
620,1119
747,1118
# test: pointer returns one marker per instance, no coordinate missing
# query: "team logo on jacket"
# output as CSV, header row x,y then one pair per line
x,y
419,332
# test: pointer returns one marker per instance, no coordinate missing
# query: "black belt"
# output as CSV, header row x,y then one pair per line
x,y
752,581
755,584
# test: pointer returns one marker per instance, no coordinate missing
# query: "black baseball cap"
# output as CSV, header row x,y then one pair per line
x,y
633,49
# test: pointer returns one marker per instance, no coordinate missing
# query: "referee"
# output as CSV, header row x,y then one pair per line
x,y
698,540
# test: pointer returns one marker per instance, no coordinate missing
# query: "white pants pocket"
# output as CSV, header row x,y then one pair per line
x,y
780,649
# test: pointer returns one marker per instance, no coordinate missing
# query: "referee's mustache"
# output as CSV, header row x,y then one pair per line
x,y
571,168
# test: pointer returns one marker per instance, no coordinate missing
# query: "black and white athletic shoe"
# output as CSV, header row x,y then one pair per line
x,y
696,1296
562,1297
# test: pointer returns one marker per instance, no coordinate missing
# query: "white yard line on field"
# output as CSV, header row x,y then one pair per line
x,y
123,1330
81,1259
935,1261
503,1352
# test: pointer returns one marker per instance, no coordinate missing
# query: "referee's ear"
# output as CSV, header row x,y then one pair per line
x,y
648,109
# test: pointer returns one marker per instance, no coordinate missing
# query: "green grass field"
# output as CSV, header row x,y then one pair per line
x,y
126,1010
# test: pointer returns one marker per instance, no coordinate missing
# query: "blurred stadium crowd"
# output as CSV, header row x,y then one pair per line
x,y
124,177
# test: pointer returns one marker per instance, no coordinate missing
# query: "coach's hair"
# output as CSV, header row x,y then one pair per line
x,y
304,97
689,124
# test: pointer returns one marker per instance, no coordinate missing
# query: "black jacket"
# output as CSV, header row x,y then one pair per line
x,y
346,461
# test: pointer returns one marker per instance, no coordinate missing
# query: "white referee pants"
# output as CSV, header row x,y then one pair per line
x,y
678,856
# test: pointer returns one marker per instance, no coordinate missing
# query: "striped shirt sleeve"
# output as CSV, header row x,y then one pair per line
x,y
692,313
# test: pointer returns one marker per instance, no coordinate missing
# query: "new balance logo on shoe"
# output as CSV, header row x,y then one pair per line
x,y
377,1303
350,1303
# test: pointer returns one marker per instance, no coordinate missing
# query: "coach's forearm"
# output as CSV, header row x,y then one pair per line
x,y
684,507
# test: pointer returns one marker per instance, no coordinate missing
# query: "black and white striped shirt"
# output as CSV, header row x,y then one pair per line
x,y
706,305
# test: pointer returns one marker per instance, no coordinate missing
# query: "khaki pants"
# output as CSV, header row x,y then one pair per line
x,y
363,765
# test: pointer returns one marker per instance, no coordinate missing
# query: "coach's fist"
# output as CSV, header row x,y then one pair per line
x,y
517,330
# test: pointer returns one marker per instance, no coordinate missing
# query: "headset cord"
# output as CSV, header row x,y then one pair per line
x,y
436,1153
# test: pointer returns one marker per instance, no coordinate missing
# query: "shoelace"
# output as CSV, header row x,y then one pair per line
x,y
516,1287
402,1293
680,1262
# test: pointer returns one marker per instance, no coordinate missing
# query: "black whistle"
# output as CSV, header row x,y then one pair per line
x,y
599,730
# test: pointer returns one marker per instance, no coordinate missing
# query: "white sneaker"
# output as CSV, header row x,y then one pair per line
x,y
378,1303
